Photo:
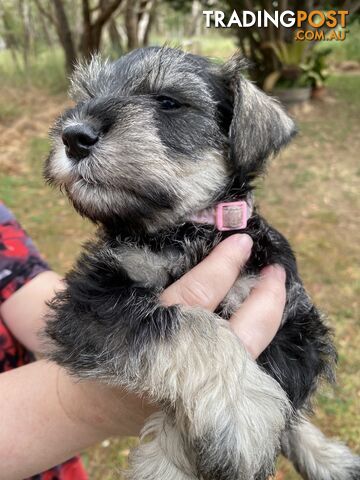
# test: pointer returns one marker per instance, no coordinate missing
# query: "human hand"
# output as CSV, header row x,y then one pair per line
x,y
259,317
256,323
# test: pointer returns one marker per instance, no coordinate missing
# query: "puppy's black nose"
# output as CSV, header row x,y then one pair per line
x,y
78,140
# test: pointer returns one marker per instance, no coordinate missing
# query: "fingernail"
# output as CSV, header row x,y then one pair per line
x,y
277,270
244,241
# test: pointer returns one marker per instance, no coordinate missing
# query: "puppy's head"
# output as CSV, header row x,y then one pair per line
x,y
159,135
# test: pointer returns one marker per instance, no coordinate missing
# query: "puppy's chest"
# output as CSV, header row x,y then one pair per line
x,y
157,270
148,269
154,269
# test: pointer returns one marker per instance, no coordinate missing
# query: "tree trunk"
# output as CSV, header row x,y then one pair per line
x,y
115,38
46,33
90,41
145,18
194,28
10,39
92,29
26,43
65,36
149,25
131,23
85,46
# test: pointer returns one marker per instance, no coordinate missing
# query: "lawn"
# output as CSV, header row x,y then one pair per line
x,y
310,194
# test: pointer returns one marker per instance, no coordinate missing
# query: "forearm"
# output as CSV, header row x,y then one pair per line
x,y
55,417
24,311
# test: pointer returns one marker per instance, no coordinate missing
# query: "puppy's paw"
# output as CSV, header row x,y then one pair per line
x,y
231,411
246,429
164,456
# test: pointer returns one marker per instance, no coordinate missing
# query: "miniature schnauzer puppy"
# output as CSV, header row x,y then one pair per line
x,y
161,151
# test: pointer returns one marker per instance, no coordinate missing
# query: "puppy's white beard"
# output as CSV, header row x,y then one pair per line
x,y
62,169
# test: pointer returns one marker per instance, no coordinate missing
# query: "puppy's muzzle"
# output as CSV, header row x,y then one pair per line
x,y
79,140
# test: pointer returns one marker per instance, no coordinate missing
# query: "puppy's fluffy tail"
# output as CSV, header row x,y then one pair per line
x,y
163,457
317,457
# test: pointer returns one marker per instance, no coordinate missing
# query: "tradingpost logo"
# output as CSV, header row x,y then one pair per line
x,y
315,25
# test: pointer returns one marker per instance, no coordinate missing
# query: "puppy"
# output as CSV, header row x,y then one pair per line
x,y
160,152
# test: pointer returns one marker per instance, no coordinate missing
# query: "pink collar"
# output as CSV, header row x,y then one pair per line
x,y
226,215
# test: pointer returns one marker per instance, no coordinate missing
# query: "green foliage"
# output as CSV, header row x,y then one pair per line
x,y
290,57
266,62
11,28
316,70
289,54
299,66
185,5
180,5
349,49
215,46
348,88
45,70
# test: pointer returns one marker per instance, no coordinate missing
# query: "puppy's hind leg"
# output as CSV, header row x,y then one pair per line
x,y
161,454
317,457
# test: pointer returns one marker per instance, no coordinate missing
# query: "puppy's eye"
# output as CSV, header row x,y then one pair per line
x,y
167,103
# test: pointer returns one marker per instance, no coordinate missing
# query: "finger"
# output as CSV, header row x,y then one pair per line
x,y
258,319
207,284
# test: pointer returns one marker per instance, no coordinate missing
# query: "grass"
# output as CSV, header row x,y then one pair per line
x,y
8,112
310,194
45,71
316,182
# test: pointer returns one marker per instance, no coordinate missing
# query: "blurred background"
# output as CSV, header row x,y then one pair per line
x,y
310,192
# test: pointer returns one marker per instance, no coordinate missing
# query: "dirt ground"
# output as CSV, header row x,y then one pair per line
x,y
310,194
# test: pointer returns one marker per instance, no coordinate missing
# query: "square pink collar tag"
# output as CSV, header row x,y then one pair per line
x,y
231,215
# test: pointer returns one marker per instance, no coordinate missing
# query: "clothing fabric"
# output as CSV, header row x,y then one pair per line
x,y
20,262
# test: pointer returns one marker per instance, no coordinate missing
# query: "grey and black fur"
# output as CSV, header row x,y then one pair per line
x,y
155,137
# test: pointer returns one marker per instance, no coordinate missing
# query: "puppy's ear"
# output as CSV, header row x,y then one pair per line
x,y
259,127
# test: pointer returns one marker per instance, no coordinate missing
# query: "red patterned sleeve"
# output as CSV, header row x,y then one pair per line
x,y
20,261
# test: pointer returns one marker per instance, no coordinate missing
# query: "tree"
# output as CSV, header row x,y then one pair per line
x,y
139,15
65,35
10,32
93,21
254,42
93,25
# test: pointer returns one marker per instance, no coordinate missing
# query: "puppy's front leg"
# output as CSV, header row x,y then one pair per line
x,y
229,411
224,412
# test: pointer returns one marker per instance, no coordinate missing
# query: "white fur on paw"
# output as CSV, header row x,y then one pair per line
x,y
163,457
217,389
